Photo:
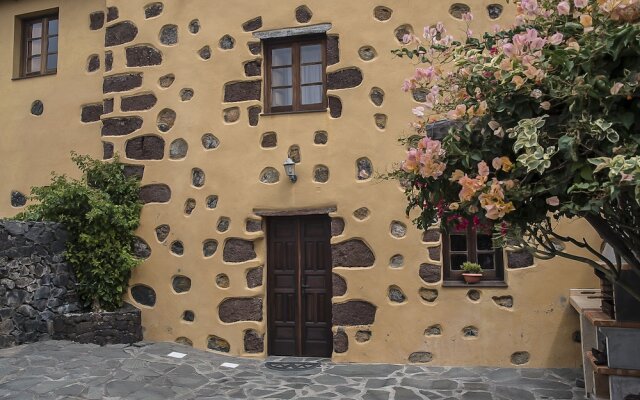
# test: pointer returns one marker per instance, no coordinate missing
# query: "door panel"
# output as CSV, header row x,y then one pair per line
x,y
299,286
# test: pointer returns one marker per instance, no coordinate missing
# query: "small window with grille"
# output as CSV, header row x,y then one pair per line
x,y
459,246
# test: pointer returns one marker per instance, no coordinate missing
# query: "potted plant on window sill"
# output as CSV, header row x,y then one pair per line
x,y
472,272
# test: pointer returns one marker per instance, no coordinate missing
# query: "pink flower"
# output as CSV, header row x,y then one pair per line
x,y
616,88
553,201
458,112
509,50
483,169
556,39
407,85
467,17
545,105
529,6
564,8
418,111
496,163
580,3
406,39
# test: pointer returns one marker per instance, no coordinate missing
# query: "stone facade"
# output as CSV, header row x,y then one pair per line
x,y
36,284
182,92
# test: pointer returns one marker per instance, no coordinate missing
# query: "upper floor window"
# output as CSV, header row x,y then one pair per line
x,y
459,246
295,75
39,45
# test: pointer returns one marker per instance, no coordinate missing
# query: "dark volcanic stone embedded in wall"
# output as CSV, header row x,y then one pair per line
x,y
227,42
209,141
141,248
363,336
18,199
382,13
143,56
189,316
420,357
96,20
178,149
108,60
166,80
519,259
335,107
231,114
144,295
121,82
429,295
354,312
107,106
184,341
177,247
320,137
503,301
186,94
333,49
197,177
147,147
367,53
253,341
194,26
169,35
237,309
238,250
396,294
222,280
120,126
380,120
520,357
107,150
474,295
253,68
189,206
364,169
269,139
401,31
155,193
458,9
181,284
112,14
434,253
91,112
494,10
344,78
120,33
138,103
303,14
162,232
254,48
223,224
205,52
209,247
377,96
430,273
37,108
294,153
320,173
254,277
352,253
153,10
431,235
252,24
134,170
217,343
361,213
253,225
242,91
396,261
269,175
254,115
433,330
340,341
166,119
93,64
337,226
339,285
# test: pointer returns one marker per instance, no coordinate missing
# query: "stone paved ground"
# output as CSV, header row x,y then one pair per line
x,y
65,370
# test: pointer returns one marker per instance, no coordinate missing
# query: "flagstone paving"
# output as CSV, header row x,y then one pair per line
x,y
66,370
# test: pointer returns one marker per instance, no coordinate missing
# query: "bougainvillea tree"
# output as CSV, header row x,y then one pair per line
x,y
545,124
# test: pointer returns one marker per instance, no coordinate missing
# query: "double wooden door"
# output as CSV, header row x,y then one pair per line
x,y
299,286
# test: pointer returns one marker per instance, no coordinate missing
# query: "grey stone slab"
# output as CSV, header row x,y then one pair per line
x,y
406,394
71,390
510,393
554,394
477,396
376,395
363,370
436,384
119,388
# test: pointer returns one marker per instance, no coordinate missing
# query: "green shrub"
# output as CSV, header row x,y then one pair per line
x,y
471,268
100,211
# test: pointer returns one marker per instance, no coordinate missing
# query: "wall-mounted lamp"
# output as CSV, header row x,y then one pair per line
x,y
290,169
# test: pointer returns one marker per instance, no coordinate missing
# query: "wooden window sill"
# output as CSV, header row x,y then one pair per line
x,y
484,284
20,78
268,114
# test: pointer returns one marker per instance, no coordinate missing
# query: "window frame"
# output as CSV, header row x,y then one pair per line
x,y
294,42
25,38
471,233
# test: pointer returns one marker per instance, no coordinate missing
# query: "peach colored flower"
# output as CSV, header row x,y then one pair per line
x,y
454,206
545,105
483,169
586,20
507,165
616,88
456,175
496,163
458,112
518,81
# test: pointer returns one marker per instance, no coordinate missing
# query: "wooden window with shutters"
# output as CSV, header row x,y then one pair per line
x,y
39,54
459,246
295,78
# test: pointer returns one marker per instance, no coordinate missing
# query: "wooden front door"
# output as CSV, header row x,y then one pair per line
x,y
299,286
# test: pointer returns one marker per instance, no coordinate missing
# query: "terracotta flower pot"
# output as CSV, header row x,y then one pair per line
x,y
472,278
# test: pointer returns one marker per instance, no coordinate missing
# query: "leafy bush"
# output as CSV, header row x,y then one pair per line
x,y
545,122
100,211
471,268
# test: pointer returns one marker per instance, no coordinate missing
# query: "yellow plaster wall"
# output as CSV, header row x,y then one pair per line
x,y
33,146
540,322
